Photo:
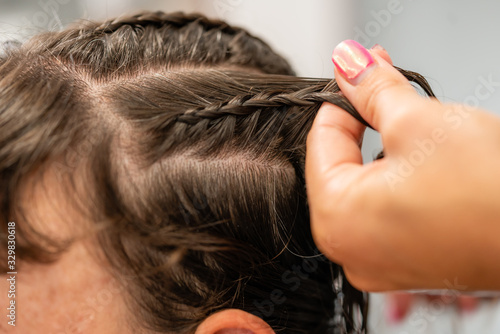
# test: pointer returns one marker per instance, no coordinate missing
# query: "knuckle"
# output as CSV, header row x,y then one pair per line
x,y
379,94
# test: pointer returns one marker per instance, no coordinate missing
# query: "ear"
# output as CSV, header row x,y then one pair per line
x,y
233,321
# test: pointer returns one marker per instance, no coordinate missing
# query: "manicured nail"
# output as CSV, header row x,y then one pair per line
x,y
378,47
351,59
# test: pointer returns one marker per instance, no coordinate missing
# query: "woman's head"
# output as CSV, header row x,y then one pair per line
x,y
172,147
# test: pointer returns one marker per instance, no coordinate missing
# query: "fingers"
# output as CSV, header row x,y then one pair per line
x,y
334,140
333,156
376,89
381,52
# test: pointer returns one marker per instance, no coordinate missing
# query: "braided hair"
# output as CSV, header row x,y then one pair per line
x,y
190,137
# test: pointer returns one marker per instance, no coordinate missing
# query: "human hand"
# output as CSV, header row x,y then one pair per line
x,y
427,215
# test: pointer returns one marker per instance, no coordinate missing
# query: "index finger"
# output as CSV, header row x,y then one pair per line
x,y
333,147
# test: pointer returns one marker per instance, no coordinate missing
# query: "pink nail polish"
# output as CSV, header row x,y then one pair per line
x,y
351,59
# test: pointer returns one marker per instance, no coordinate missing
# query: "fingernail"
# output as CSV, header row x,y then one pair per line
x,y
351,59
378,47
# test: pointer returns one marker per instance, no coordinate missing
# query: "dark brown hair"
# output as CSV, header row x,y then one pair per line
x,y
189,135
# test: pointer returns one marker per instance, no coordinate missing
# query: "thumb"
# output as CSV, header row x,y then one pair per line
x,y
375,88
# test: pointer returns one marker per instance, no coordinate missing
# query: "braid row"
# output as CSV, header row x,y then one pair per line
x,y
245,105
159,18
191,38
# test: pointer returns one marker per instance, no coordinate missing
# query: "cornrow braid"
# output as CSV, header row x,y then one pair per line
x,y
322,90
132,44
159,18
243,105
309,93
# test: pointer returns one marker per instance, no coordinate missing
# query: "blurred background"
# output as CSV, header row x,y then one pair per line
x,y
450,42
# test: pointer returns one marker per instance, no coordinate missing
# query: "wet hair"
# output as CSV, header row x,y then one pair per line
x,y
189,136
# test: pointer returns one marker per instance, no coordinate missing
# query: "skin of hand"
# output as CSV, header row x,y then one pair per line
x,y
427,215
